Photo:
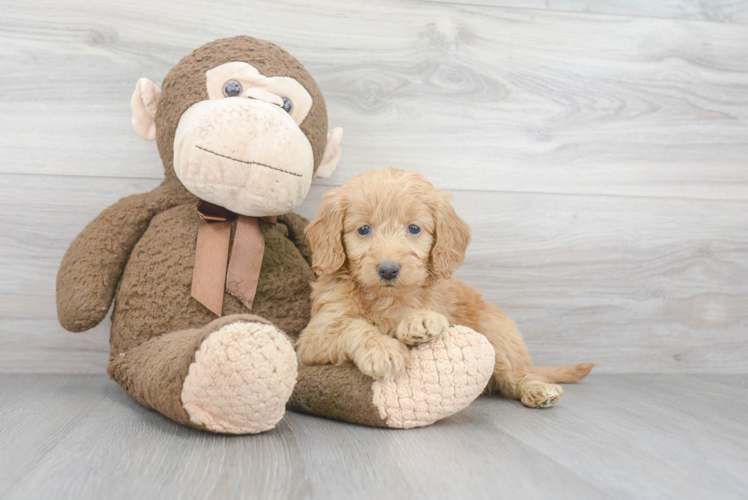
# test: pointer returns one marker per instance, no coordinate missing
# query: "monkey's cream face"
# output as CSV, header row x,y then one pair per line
x,y
242,148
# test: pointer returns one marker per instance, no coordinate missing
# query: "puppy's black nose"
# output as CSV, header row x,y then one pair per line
x,y
388,270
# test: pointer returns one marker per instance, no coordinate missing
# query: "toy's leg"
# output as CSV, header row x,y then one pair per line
x,y
442,377
232,376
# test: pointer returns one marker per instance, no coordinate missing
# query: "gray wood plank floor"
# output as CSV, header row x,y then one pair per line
x,y
628,436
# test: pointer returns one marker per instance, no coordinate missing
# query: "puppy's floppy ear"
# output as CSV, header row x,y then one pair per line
x,y
325,234
451,239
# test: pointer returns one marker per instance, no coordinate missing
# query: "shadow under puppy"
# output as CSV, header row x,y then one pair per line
x,y
385,246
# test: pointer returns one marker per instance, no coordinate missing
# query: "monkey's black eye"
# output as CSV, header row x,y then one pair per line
x,y
232,88
413,229
363,230
287,104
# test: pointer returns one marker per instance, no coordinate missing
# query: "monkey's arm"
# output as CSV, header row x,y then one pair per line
x,y
296,225
94,262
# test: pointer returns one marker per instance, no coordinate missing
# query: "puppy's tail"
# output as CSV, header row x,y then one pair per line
x,y
564,374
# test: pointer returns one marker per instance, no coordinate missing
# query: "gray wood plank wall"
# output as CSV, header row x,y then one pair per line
x,y
598,149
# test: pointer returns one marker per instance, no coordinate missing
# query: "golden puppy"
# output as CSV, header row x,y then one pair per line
x,y
385,246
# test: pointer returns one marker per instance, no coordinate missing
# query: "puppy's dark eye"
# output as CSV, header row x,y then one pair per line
x,y
413,229
287,104
363,230
232,88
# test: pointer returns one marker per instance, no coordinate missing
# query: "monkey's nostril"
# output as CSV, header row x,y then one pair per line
x,y
388,270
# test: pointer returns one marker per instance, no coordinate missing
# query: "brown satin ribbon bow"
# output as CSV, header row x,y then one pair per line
x,y
211,256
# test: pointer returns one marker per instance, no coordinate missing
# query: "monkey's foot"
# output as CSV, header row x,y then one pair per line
x,y
442,377
241,378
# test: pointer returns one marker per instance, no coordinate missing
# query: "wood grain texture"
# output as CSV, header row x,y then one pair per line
x,y
718,11
534,101
610,437
37,413
637,284
599,158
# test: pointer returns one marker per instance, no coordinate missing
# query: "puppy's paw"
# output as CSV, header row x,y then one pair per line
x,y
541,395
381,357
421,326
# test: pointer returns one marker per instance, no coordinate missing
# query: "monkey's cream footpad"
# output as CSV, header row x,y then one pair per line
x,y
241,378
442,377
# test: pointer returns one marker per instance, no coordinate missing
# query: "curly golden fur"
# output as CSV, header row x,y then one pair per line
x,y
390,285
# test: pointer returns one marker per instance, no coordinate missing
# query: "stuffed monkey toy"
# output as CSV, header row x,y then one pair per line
x,y
211,269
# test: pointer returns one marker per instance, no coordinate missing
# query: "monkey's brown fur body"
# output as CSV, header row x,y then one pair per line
x,y
143,249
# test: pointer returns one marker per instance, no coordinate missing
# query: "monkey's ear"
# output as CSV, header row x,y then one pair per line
x,y
332,153
144,102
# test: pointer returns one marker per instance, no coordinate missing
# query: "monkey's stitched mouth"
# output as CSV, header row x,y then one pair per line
x,y
248,162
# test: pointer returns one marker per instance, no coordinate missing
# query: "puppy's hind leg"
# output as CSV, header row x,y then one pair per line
x,y
512,379
513,375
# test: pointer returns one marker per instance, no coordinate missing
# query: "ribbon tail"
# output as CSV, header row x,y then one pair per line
x,y
246,260
211,255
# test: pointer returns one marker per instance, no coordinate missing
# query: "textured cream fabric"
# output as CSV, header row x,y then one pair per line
x,y
241,379
442,378
332,154
246,155
144,102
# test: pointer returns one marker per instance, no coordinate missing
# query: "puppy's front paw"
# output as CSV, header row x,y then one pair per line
x,y
381,357
421,326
